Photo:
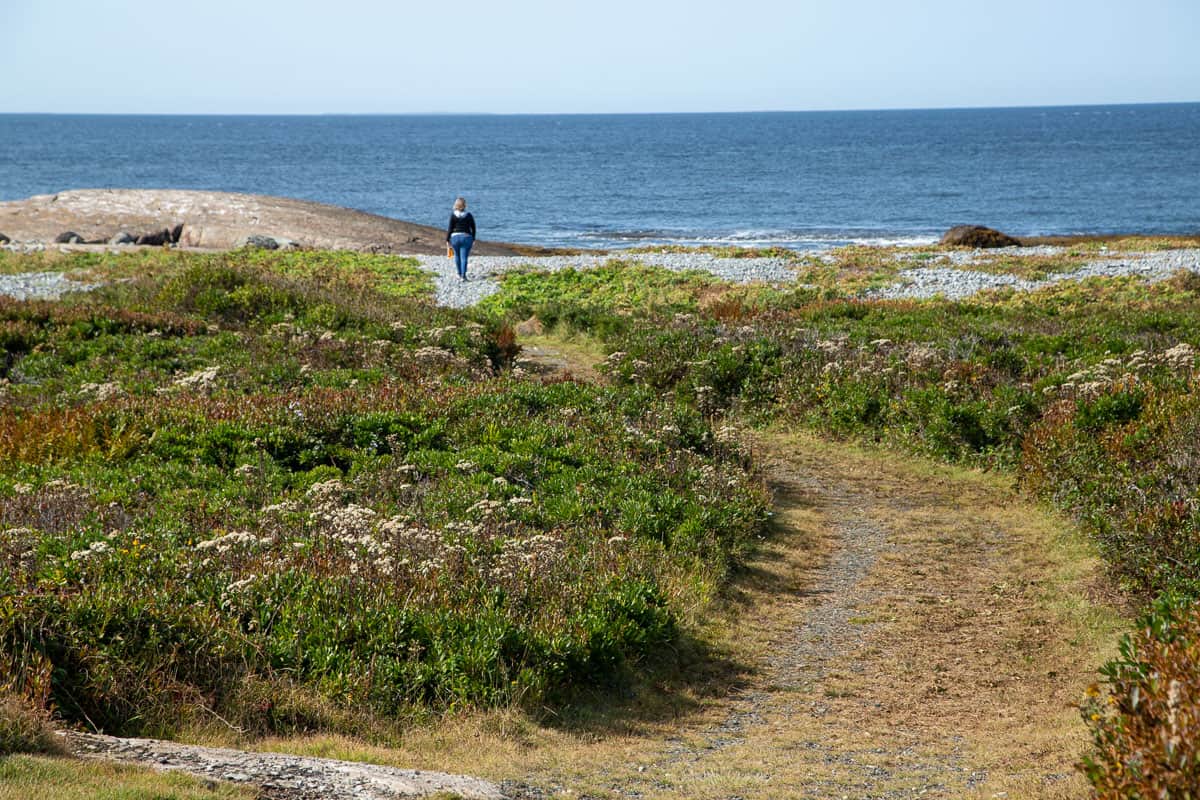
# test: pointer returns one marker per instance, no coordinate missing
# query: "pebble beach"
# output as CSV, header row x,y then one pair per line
x,y
951,276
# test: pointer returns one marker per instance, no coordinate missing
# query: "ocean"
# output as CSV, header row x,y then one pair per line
x,y
802,180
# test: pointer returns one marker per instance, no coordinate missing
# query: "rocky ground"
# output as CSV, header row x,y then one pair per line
x,y
956,282
285,777
218,220
951,276
40,285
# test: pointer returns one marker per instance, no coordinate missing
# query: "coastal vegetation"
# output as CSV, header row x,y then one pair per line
x,y
1086,392
232,497
283,492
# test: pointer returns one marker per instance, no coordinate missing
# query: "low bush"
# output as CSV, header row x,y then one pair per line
x,y
25,728
1146,726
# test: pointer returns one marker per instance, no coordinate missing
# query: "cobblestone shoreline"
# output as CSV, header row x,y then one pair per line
x,y
955,280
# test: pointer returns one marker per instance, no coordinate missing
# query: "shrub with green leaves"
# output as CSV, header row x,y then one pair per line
x,y
227,490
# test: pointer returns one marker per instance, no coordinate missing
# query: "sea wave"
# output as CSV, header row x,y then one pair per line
x,y
792,239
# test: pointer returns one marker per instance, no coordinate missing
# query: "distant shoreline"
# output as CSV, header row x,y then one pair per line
x,y
354,114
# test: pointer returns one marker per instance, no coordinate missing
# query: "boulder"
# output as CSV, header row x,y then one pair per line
x,y
155,239
977,236
191,236
68,237
257,242
123,237
530,327
4,239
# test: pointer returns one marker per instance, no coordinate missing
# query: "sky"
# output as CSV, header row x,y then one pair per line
x,y
517,56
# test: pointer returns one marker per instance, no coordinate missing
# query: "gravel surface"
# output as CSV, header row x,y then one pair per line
x,y
955,284
951,281
40,285
285,777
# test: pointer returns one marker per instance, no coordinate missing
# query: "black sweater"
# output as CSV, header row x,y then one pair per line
x,y
463,224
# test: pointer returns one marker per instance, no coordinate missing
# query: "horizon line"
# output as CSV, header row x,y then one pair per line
x,y
586,113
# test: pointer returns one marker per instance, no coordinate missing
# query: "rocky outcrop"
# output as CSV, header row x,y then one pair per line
x,y
284,776
155,239
220,221
977,236
261,243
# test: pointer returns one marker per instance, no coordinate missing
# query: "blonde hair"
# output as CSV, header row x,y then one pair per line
x,y
460,204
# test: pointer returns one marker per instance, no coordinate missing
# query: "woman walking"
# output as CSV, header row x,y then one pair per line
x,y
460,235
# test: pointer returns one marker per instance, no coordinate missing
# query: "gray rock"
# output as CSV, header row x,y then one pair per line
x,y
156,239
68,237
123,237
261,243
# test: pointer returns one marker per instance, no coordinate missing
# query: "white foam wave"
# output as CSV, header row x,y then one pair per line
x,y
800,240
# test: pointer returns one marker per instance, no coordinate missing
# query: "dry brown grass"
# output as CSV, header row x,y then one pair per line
x,y
25,777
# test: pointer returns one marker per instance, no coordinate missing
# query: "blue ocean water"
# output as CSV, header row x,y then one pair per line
x,y
804,179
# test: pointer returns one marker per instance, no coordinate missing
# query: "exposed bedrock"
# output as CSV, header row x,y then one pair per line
x,y
217,220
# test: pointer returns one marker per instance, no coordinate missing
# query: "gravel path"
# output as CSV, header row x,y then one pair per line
x,y
285,777
482,270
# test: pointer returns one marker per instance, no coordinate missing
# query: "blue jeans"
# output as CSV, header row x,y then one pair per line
x,y
461,242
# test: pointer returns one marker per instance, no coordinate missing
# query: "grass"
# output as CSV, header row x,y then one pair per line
x,y
391,276
22,777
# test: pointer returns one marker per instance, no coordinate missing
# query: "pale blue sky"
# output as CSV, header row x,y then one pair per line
x,y
371,56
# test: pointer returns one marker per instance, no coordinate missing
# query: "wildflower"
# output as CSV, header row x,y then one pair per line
x,y
324,491
242,584
201,381
95,549
486,508
229,541
102,391
284,507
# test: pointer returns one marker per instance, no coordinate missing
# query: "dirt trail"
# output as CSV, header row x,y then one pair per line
x,y
914,630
